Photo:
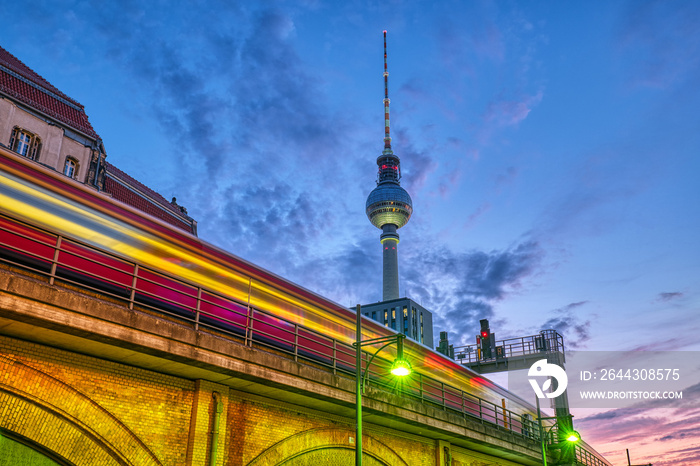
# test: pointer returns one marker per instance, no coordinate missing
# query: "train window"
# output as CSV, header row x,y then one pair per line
x,y
71,167
25,143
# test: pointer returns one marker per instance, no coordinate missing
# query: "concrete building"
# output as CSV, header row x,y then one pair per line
x,y
403,315
43,124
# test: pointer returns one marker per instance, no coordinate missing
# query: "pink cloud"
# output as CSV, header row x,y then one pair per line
x,y
511,112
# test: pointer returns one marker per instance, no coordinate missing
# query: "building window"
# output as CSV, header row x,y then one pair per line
x,y
414,323
421,327
71,168
374,315
386,317
25,143
393,318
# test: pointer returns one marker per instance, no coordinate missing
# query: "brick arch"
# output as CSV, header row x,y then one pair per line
x,y
49,413
312,440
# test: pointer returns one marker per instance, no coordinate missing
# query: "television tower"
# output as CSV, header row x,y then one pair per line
x,y
389,206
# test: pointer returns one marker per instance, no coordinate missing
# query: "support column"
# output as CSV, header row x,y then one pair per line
x,y
210,400
443,453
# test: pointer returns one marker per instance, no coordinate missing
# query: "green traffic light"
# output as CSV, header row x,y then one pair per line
x,y
573,437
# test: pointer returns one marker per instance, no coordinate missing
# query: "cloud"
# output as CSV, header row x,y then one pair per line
x,y
351,276
272,223
659,43
566,321
659,428
478,38
504,112
462,288
510,175
416,165
669,296
254,141
474,216
639,429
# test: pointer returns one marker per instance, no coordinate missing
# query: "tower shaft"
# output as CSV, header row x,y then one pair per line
x,y
390,262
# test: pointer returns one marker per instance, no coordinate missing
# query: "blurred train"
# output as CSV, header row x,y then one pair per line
x,y
68,231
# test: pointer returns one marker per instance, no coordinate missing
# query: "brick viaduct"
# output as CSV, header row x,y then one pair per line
x,y
87,381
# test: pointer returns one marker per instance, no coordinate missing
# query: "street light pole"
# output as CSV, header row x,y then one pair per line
x,y
401,367
570,435
539,423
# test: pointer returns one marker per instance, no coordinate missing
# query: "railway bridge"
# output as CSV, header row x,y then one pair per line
x,y
85,380
125,343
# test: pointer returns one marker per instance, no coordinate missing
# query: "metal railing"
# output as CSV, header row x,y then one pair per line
x,y
547,341
583,456
69,261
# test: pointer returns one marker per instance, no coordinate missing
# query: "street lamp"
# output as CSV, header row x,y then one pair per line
x,y
571,436
400,368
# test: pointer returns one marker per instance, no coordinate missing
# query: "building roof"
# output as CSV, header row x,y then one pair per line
x,y
18,81
128,190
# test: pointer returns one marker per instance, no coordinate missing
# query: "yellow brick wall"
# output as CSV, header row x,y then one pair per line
x,y
260,431
70,402
154,407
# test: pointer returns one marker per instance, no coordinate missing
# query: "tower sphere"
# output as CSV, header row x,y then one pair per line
x,y
388,204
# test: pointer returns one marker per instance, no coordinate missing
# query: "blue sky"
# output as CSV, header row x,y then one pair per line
x,y
550,148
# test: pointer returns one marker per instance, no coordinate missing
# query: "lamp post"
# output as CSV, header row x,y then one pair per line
x,y
401,367
570,436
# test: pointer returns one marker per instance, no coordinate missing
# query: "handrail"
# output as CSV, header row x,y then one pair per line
x,y
547,341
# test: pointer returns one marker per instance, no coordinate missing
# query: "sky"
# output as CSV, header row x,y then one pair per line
x,y
550,149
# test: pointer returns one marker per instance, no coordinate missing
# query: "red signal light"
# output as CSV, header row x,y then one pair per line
x,y
484,334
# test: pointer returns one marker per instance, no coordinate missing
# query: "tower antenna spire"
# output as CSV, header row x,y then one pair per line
x,y
387,136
